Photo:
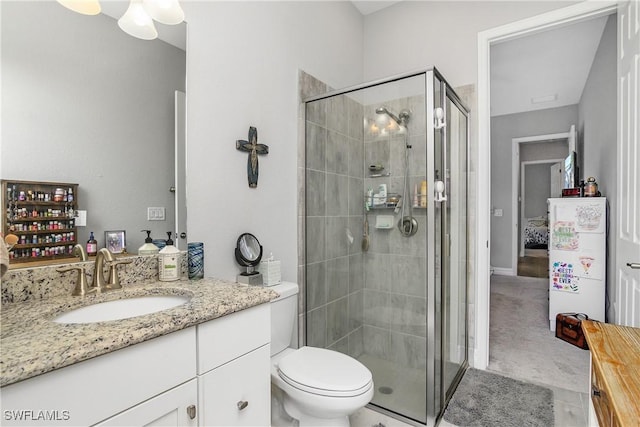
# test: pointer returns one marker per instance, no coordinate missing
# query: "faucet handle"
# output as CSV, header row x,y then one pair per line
x,y
113,282
82,287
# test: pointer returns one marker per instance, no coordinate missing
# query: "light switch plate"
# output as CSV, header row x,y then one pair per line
x,y
155,214
497,212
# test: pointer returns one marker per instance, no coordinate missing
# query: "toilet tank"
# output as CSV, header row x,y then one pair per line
x,y
284,314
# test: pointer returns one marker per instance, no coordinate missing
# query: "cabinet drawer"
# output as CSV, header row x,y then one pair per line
x,y
601,404
237,393
228,337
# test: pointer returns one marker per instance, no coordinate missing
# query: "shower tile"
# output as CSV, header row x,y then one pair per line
x,y
317,327
355,115
377,271
356,196
356,310
396,155
337,114
302,289
302,338
376,310
337,278
418,155
301,191
412,245
337,240
408,350
315,241
376,342
409,314
316,112
355,224
356,343
315,147
356,272
377,152
409,275
337,153
309,85
315,194
316,288
417,124
356,157
342,345
378,238
337,195
337,320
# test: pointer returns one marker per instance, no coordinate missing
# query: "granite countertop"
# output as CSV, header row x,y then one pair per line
x,y
32,344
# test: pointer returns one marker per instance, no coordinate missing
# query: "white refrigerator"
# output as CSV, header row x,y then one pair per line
x,y
577,257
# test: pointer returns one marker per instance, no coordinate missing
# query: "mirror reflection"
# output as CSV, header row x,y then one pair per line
x,y
84,102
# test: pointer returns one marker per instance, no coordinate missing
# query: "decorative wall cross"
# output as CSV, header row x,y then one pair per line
x,y
253,148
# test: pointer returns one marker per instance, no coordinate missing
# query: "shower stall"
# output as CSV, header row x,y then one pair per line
x,y
385,226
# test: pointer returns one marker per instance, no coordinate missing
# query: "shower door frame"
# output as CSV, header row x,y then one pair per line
x,y
432,383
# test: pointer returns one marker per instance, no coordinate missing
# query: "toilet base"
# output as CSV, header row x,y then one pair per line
x,y
306,420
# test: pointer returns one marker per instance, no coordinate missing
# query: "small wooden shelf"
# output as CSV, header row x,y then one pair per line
x,y
21,200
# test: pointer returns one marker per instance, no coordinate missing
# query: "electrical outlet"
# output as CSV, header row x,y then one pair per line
x,y
155,214
497,212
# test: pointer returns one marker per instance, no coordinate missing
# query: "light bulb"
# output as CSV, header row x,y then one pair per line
x,y
137,22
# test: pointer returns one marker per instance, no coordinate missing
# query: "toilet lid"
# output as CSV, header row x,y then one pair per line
x,y
325,372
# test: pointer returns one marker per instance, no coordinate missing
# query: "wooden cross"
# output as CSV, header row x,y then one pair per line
x,y
253,148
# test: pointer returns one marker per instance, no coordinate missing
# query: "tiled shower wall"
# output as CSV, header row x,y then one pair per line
x,y
394,318
334,217
373,302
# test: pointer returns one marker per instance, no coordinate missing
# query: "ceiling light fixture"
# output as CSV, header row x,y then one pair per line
x,y
164,11
137,22
85,7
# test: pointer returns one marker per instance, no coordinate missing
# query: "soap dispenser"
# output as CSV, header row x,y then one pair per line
x,y
169,262
148,248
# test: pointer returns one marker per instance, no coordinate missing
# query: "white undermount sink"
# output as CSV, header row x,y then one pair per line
x,y
121,309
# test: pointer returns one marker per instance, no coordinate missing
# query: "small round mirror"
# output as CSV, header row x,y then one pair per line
x,y
248,250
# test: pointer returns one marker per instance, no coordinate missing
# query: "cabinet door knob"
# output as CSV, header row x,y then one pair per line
x,y
191,411
595,391
242,404
634,265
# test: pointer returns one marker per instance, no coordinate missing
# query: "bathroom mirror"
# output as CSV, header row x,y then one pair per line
x,y
84,102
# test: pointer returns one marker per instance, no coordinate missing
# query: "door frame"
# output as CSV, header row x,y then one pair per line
x,y
518,182
554,19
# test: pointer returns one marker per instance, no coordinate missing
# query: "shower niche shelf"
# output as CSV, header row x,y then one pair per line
x,y
393,200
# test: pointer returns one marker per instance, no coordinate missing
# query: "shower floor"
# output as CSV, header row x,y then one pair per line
x,y
398,388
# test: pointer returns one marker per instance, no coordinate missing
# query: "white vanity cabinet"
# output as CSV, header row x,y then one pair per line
x,y
94,390
234,383
173,408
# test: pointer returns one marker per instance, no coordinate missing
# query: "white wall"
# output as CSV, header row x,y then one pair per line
x,y
242,70
597,134
415,34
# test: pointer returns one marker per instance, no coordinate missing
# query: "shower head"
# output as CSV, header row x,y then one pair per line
x,y
405,115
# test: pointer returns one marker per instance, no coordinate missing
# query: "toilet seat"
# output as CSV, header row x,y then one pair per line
x,y
324,372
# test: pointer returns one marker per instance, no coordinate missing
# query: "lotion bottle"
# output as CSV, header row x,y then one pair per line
x,y
92,245
148,248
169,262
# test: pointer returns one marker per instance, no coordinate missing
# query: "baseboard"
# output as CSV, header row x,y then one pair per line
x,y
499,271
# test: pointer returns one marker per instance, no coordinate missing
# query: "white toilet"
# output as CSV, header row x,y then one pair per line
x,y
320,387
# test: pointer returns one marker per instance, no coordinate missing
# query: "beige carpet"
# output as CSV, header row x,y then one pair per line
x,y
520,342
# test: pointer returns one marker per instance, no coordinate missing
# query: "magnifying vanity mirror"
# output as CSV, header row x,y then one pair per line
x,y
248,255
84,102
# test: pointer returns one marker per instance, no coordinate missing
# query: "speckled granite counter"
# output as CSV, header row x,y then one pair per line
x,y
32,344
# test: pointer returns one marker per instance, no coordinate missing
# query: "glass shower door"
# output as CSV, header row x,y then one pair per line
x,y
454,246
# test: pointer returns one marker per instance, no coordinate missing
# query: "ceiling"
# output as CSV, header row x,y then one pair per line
x,y
545,70
370,6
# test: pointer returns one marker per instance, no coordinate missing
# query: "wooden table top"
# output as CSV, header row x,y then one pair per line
x,y
616,351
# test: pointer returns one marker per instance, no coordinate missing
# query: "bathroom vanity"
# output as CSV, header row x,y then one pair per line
x,y
205,362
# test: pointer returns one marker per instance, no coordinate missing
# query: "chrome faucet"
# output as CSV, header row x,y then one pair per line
x,y
99,282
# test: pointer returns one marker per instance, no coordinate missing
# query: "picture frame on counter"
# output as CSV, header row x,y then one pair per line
x,y
115,241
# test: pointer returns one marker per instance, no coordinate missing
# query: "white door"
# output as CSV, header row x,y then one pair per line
x,y
627,307
557,174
